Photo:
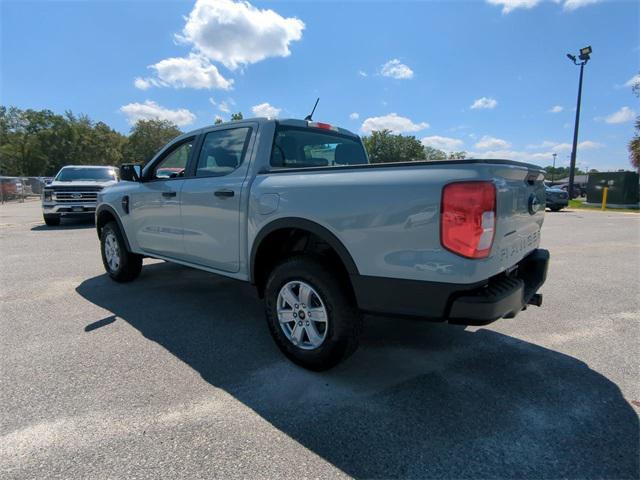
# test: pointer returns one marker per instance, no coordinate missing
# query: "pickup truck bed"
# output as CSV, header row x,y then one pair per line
x,y
296,208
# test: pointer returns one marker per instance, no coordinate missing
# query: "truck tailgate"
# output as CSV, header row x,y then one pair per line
x,y
520,212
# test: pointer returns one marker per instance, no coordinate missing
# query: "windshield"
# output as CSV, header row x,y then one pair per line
x,y
70,174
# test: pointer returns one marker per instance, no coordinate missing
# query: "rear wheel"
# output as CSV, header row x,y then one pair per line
x,y
52,220
120,264
311,313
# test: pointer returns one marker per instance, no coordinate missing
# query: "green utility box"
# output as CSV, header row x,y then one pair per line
x,y
623,189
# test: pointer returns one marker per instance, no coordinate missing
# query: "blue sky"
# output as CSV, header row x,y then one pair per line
x,y
480,76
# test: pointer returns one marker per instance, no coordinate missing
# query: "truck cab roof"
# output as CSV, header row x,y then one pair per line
x,y
290,122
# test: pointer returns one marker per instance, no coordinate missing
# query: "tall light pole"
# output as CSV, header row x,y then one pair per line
x,y
554,167
584,58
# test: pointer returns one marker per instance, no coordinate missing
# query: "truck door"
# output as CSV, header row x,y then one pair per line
x,y
211,199
155,206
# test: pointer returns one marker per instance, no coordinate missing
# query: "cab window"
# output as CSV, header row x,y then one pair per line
x,y
174,163
222,152
305,147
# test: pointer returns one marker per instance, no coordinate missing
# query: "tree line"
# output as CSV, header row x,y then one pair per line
x,y
40,142
37,143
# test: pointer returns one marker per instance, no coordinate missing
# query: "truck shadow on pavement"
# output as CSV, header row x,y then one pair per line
x,y
417,400
67,224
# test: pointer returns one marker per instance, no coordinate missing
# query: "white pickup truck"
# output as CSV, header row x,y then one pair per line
x,y
296,208
74,192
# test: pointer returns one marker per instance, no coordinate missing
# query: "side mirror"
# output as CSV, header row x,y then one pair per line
x,y
131,172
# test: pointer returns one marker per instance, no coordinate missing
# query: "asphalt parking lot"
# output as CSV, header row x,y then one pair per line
x,y
175,375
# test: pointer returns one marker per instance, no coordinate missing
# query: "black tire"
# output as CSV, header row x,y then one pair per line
x,y
344,319
129,265
52,220
555,209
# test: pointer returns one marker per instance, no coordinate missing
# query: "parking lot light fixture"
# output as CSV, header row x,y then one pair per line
x,y
585,55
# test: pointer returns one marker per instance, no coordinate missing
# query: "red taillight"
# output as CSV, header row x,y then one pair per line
x,y
468,219
323,126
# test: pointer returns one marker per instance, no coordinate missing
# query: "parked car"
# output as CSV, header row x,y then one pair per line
x,y
74,191
578,191
556,198
295,208
10,187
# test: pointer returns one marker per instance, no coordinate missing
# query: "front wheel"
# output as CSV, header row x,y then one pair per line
x,y
311,313
120,264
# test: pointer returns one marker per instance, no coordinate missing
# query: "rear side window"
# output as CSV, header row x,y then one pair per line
x,y
222,152
308,147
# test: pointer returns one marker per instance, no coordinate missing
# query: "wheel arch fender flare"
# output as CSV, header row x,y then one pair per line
x,y
301,224
104,208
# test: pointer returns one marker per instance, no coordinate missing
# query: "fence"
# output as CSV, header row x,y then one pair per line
x,y
17,189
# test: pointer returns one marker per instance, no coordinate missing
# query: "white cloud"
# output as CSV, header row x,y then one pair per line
x,y
395,69
510,5
570,5
488,143
589,145
237,33
362,73
224,106
151,110
560,147
555,147
556,109
506,154
544,144
543,157
194,71
266,110
625,114
447,144
143,83
633,80
484,102
566,147
393,122
354,116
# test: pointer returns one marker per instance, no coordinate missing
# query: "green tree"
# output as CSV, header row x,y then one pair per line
x,y
384,147
22,151
146,138
34,143
236,116
558,173
218,121
457,155
108,144
434,153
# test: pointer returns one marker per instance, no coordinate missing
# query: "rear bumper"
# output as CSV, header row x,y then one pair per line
x,y
562,202
476,304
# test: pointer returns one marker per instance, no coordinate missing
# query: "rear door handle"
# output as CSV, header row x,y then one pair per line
x,y
224,193
168,194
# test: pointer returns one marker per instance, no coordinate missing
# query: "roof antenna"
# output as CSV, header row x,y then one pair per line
x,y
308,118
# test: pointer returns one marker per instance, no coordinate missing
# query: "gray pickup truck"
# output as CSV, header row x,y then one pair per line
x,y
295,208
74,192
